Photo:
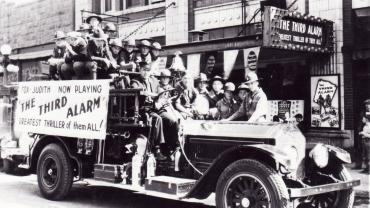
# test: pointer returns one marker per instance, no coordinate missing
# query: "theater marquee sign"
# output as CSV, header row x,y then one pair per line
x,y
294,31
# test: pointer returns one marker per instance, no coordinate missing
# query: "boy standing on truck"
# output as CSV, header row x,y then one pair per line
x,y
59,52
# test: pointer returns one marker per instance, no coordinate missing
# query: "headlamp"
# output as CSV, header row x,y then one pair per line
x,y
320,155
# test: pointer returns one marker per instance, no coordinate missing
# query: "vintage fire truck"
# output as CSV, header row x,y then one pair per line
x,y
244,164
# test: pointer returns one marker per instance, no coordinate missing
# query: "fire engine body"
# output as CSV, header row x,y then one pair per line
x,y
244,164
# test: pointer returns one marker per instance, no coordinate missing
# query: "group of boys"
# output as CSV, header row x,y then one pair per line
x,y
94,52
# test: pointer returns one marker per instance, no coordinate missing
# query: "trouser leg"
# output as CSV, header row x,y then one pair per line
x,y
66,71
171,126
366,154
157,136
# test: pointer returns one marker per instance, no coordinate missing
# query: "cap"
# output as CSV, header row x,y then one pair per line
x,y
157,46
93,16
145,43
59,35
165,73
216,78
115,42
251,77
243,87
229,86
84,27
110,27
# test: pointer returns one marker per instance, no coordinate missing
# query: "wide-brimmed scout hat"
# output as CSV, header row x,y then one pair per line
x,y
217,78
243,87
84,27
115,42
93,16
129,42
164,73
145,43
157,46
59,35
229,86
251,77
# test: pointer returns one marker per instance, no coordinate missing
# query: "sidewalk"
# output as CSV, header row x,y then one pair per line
x,y
362,199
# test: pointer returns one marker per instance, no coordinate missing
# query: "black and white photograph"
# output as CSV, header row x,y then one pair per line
x,y
184,103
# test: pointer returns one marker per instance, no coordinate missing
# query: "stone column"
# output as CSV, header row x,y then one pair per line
x,y
177,22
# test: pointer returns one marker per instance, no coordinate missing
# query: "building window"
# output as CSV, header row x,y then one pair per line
x,y
108,5
119,5
96,6
136,3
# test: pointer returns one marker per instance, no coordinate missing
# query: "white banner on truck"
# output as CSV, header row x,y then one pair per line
x,y
75,108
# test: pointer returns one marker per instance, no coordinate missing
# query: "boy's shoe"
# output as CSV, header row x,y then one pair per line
x,y
159,156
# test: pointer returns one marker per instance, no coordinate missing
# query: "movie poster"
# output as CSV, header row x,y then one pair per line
x,y
325,109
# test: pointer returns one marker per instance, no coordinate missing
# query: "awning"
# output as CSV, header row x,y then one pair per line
x,y
32,55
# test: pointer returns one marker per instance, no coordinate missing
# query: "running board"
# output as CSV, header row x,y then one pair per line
x,y
141,190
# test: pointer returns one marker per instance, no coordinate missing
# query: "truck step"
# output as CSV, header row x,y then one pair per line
x,y
169,185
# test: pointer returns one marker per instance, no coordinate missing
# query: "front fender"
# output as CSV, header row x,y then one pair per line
x,y
267,154
341,154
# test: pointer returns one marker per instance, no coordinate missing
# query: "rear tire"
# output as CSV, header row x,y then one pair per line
x,y
54,172
249,183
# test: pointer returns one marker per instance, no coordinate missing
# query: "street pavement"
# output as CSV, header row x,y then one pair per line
x,y
22,192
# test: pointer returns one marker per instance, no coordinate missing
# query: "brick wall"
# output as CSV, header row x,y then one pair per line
x,y
34,23
348,41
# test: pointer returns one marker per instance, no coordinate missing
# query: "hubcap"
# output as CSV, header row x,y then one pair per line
x,y
246,191
245,202
49,173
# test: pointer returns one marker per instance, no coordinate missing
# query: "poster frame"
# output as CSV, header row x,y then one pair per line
x,y
337,76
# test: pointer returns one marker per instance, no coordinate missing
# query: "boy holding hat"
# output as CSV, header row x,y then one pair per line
x,y
59,52
254,106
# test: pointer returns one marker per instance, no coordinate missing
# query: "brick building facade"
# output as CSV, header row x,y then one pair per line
x,y
224,23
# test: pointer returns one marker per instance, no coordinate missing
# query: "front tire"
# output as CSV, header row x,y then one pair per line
x,y
338,199
54,172
249,183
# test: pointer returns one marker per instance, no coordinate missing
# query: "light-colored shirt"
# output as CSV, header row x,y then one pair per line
x,y
254,107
